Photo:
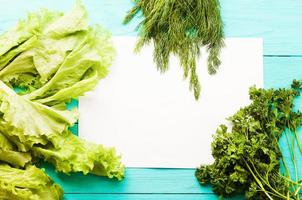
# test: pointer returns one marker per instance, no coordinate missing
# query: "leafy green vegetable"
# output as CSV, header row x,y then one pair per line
x,y
44,130
51,58
10,155
75,155
247,159
21,48
73,21
30,183
15,158
180,27
19,179
84,63
24,30
37,124
60,60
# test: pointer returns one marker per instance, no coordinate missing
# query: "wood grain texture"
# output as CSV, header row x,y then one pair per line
x,y
276,21
145,197
137,180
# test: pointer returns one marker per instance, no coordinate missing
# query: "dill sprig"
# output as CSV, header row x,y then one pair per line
x,y
181,27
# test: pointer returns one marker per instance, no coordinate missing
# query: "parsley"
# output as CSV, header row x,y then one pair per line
x,y
248,158
181,27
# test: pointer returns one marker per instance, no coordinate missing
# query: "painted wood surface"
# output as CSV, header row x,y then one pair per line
x,y
276,21
144,197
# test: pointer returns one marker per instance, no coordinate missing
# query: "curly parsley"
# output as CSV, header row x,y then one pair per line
x,y
248,158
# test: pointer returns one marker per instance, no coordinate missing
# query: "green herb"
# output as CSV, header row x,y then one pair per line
x,y
181,27
247,159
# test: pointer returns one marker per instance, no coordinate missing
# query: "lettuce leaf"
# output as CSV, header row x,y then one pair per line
x,y
62,59
73,21
28,123
87,60
6,58
19,179
15,158
34,24
30,183
44,131
5,143
51,58
76,155
23,64
8,153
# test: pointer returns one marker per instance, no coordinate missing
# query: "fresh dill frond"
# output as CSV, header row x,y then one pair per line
x,y
181,27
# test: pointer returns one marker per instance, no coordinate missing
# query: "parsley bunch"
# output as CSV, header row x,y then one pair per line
x,y
181,27
248,158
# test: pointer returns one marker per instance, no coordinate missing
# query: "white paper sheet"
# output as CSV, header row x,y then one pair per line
x,y
153,119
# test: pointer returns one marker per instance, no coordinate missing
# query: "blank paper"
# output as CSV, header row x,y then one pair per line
x,y
152,119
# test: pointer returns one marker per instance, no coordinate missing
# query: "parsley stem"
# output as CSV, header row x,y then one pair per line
x,y
298,141
292,155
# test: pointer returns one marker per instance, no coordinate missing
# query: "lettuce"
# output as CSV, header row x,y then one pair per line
x,y
73,21
12,53
44,131
86,63
51,58
34,24
10,155
30,183
21,180
61,60
37,124
77,155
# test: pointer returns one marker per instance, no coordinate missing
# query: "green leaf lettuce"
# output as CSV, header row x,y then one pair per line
x,y
30,183
45,61
44,131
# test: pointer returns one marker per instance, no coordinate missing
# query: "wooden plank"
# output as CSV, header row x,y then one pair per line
x,y
137,180
280,71
146,197
276,21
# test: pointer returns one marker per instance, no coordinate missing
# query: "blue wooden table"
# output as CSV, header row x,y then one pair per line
x,y
278,22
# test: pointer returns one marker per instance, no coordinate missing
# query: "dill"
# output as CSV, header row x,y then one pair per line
x,y
181,27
